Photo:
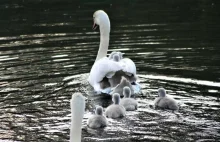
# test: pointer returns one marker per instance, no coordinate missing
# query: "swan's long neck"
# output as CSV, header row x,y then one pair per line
x,y
77,112
104,39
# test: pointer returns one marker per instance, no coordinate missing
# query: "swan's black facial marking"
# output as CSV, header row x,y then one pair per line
x,y
94,26
133,83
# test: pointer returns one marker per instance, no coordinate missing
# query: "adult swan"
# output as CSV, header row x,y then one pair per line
x,y
106,73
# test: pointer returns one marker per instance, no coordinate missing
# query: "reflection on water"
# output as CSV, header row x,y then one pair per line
x,y
47,49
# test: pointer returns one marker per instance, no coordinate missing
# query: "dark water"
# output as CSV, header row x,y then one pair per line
x,y
47,49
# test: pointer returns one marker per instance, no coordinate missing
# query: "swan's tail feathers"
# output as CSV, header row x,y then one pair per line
x,y
77,105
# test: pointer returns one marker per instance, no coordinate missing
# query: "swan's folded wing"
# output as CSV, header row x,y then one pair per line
x,y
102,68
128,66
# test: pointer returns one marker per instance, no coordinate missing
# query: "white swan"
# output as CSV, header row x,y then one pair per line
x,y
164,101
105,68
77,105
115,110
97,120
130,104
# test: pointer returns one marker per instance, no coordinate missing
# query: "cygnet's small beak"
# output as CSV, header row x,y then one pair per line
x,y
94,26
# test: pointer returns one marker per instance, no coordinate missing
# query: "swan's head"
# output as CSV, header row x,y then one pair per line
x,y
116,98
99,110
161,92
116,57
111,55
101,19
127,92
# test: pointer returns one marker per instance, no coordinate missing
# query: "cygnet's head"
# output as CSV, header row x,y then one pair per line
x,y
101,19
161,92
121,55
127,92
111,55
116,57
123,80
116,98
99,110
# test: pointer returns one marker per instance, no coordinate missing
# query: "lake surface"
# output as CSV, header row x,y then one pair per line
x,y
47,49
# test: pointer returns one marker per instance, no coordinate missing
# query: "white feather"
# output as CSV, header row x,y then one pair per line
x,y
102,68
128,66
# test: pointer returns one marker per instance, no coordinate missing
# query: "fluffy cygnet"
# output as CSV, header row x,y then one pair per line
x,y
115,110
129,104
97,120
165,102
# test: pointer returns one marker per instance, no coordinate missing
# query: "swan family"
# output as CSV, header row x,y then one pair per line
x,y
113,75
106,72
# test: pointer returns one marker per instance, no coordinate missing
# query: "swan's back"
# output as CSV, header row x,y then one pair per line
x,y
166,103
77,112
129,104
130,66
115,111
100,70
97,121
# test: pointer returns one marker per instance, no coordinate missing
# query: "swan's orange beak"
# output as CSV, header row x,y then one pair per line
x,y
94,26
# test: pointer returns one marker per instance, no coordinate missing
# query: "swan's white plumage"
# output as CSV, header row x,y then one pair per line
x,y
106,67
128,66
102,68
77,105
